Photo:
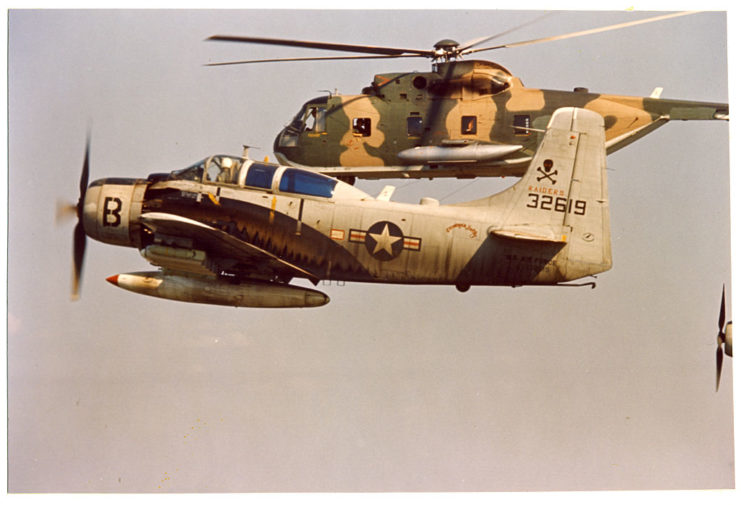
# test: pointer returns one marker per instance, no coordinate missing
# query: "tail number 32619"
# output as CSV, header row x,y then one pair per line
x,y
558,204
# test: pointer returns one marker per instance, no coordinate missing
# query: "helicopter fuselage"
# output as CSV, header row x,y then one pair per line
x,y
459,104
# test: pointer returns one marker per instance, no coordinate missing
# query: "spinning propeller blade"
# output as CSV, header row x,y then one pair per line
x,y
79,243
722,318
79,236
725,344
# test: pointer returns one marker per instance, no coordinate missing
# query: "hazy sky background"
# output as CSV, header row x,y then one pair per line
x,y
387,388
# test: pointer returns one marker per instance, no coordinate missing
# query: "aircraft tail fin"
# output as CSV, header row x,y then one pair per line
x,y
562,198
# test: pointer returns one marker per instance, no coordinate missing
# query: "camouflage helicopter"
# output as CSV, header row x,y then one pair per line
x,y
462,119
232,231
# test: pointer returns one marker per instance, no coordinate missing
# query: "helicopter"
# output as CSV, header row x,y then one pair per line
x,y
232,231
464,118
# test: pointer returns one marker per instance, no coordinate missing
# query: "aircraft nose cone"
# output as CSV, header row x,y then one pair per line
x,y
316,299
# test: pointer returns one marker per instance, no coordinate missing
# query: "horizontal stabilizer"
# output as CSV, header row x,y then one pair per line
x,y
530,233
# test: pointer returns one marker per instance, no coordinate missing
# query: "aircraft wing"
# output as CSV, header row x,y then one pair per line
x,y
217,244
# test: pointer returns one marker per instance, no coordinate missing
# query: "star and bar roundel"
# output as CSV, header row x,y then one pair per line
x,y
384,240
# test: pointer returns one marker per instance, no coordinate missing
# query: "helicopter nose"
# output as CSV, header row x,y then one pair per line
x,y
276,142
284,144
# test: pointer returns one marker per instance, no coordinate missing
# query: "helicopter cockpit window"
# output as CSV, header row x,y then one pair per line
x,y
361,126
307,183
260,175
315,119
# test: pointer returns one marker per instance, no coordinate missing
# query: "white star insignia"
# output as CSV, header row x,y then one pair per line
x,y
384,241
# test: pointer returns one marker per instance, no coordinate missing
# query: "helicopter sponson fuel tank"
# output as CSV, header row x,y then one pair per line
x,y
456,154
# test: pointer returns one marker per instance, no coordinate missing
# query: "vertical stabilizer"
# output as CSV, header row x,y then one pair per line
x,y
562,197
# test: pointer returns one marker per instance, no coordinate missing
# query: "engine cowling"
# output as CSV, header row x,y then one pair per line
x,y
111,211
729,339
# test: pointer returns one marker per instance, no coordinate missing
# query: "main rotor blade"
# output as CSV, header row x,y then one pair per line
x,y
318,58
583,32
353,48
475,42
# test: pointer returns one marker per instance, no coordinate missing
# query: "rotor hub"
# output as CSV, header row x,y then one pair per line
x,y
447,49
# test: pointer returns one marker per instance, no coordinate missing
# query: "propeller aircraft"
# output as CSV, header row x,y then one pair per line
x,y
464,118
233,231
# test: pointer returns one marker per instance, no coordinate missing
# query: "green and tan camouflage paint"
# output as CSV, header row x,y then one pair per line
x,y
481,89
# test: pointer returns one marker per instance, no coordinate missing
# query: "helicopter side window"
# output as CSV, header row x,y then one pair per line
x,y
307,183
522,124
414,126
468,125
361,126
260,175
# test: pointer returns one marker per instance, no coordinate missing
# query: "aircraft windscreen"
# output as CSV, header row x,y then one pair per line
x,y
191,173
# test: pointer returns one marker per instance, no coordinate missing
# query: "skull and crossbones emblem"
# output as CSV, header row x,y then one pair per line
x,y
546,171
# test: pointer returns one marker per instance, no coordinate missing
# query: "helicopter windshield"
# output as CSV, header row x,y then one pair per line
x,y
312,116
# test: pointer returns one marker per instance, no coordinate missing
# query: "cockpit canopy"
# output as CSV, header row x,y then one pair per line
x,y
218,168
242,172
